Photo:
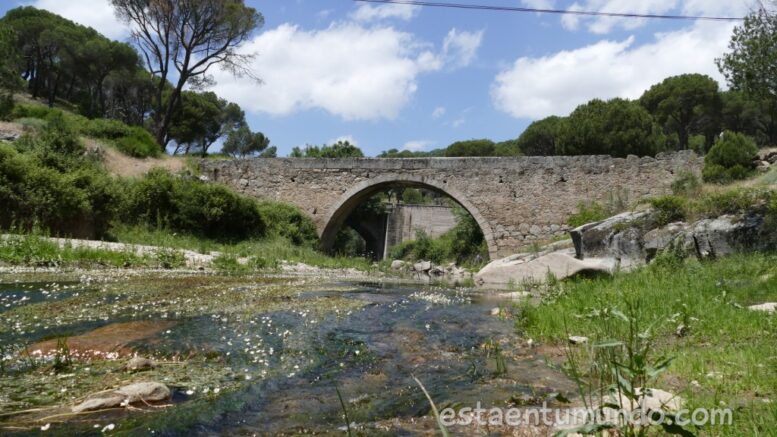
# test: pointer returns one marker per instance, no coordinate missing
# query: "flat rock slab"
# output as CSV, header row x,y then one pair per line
x,y
768,307
140,392
535,270
114,339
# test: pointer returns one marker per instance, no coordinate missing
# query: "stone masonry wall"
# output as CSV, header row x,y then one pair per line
x,y
517,201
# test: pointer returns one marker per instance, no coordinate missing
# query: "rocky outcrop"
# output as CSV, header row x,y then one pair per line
x,y
634,238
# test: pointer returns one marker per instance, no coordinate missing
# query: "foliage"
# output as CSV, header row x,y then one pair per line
x,y
215,31
480,147
340,149
60,59
587,213
241,142
615,127
718,340
685,105
189,205
668,209
686,184
749,115
730,158
541,137
201,119
53,186
288,222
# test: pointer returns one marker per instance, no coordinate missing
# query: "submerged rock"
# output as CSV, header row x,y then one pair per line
x,y
140,392
139,363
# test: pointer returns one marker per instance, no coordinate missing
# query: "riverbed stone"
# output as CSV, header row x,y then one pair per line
x,y
145,392
527,269
397,264
139,363
422,266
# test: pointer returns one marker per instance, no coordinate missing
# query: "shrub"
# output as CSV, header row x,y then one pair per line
x,y
6,106
731,158
191,206
686,184
138,143
668,209
587,213
288,222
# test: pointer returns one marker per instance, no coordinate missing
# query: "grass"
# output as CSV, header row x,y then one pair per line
x,y
262,253
34,250
724,355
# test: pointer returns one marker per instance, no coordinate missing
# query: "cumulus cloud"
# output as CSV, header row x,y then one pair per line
x,y
97,14
438,112
417,145
366,13
603,25
348,70
535,87
460,47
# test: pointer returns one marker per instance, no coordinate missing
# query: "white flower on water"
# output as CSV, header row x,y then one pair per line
x,y
189,392
108,427
45,427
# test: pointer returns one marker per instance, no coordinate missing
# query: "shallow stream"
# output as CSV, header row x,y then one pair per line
x,y
260,356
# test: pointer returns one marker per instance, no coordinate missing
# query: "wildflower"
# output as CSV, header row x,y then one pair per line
x,y
108,427
45,427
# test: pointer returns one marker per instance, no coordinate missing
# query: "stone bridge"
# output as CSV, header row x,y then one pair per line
x,y
516,201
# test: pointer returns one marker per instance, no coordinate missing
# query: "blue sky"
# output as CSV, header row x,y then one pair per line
x,y
388,76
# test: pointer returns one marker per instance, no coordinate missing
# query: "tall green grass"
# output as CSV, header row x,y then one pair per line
x,y
726,350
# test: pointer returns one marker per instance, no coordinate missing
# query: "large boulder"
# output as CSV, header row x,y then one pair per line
x,y
618,237
527,269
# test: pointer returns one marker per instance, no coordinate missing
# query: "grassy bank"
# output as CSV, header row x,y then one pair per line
x,y
694,313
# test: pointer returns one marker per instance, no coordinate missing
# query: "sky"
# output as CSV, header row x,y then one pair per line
x,y
419,78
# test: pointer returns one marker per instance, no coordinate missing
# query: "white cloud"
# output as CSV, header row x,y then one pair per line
x,y
557,83
366,13
538,4
603,25
460,47
344,138
348,70
97,14
417,145
438,112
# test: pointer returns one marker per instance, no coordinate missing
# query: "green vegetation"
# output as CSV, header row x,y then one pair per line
x,y
464,244
587,213
689,311
731,158
340,149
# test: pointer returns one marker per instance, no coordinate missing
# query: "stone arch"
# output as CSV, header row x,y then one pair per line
x,y
338,213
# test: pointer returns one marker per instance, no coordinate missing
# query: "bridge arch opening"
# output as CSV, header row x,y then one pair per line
x,y
338,213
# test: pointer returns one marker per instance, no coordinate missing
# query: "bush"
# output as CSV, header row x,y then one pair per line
x,y
138,143
668,209
288,222
587,213
731,158
6,106
686,184
191,206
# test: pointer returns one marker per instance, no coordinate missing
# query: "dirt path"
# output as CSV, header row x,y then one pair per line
x,y
120,164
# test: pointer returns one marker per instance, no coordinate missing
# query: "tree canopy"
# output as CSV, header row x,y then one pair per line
x,y
340,149
541,137
615,127
685,105
182,40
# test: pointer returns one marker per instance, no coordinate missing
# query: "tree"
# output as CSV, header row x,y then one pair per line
x,y
616,127
730,158
751,64
202,119
183,39
481,147
685,105
340,149
541,137
9,76
748,115
241,142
